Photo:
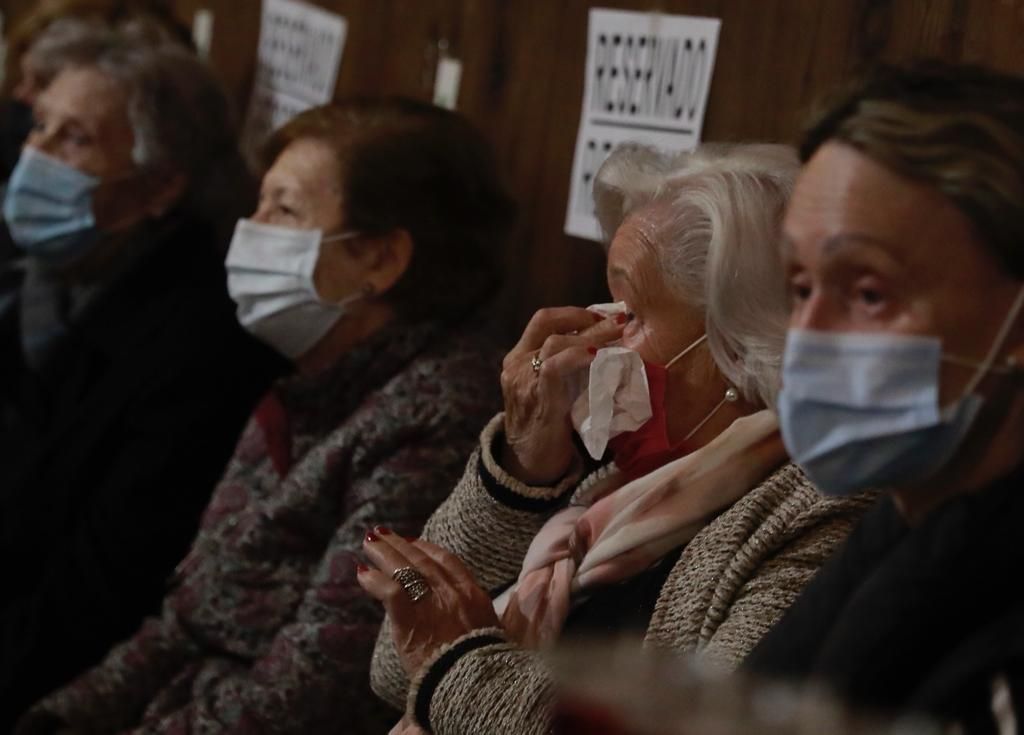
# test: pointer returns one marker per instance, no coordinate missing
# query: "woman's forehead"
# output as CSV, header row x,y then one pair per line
x,y
305,164
88,94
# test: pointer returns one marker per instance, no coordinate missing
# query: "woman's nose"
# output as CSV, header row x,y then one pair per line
x,y
43,139
816,312
261,215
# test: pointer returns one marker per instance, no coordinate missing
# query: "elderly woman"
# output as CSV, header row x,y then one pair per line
x,y
905,242
40,40
704,554
124,376
374,240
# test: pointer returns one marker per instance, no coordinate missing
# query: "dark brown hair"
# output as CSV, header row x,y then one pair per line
x,y
959,129
416,167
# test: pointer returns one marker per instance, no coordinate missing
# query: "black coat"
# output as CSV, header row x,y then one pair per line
x,y
107,471
920,618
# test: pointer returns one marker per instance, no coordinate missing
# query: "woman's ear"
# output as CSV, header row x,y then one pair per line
x,y
388,261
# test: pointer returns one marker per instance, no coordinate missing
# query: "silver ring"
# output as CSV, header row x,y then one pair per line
x,y
412,581
536,362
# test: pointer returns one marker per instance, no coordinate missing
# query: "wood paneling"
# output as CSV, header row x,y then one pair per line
x,y
522,83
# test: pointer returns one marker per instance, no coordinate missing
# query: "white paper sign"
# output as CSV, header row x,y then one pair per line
x,y
297,65
647,80
202,32
446,82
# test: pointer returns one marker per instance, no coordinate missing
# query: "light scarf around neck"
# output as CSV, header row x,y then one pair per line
x,y
631,528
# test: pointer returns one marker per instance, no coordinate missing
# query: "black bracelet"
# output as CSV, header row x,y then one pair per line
x,y
433,677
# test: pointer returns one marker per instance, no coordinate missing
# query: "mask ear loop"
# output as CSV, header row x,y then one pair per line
x,y
683,354
997,344
363,293
350,235
731,394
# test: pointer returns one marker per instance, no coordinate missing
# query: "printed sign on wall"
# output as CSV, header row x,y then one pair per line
x,y
297,65
647,80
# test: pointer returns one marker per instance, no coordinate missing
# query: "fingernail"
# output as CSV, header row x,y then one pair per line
x,y
597,316
621,319
362,568
592,350
410,539
382,530
371,537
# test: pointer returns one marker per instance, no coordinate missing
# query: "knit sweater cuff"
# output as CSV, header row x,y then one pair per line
x,y
433,671
509,491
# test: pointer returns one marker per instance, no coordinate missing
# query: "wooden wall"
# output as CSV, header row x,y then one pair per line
x,y
522,82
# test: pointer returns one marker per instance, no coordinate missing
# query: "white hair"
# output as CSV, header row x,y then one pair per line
x,y
718,244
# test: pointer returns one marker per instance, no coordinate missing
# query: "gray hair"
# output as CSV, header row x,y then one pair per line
x,y
181,120
718,244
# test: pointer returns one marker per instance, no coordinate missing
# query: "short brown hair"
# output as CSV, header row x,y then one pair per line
x,y
957,128
413,166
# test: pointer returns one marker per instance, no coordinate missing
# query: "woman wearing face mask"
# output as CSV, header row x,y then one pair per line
x,y
905,242
373,240
703,554
41,39
124,375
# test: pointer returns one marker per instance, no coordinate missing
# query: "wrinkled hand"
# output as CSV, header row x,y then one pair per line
x,y
538,427
454,606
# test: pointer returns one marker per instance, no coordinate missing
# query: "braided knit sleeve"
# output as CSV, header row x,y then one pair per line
x,y
481,683
489,521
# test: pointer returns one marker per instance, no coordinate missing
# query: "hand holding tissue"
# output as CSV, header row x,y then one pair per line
x,y
617,397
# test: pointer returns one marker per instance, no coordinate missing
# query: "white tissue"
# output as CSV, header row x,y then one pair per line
x,y
617,398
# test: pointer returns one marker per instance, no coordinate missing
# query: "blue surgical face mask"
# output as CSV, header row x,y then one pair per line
x,y
861,411
48,208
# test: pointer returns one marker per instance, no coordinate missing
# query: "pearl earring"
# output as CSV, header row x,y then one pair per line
x,y
732,395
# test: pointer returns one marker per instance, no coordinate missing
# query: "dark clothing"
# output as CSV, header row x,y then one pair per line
x,y
15,125
916,618
266,629
621,609
110,453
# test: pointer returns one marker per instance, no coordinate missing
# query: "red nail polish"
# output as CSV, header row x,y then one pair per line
x,y
621,319
382,530
362,569
410,539
592,350
371,537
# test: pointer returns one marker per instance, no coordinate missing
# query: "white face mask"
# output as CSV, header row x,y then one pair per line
x,y
270,277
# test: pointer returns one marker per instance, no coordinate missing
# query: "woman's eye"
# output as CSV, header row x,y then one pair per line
x,y
871,296
869,293
799,291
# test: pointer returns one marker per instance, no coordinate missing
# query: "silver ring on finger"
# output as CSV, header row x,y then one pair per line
x,y
535,363
412,581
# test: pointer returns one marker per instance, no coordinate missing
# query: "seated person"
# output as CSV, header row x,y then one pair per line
x,y
704,554
373,248
124,377
905,249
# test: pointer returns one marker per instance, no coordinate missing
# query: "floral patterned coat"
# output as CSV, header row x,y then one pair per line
x,y
265,628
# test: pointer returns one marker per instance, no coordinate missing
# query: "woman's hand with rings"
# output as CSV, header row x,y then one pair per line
x,y
557,344
452,606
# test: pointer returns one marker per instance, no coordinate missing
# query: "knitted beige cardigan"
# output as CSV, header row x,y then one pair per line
x,y
731,584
